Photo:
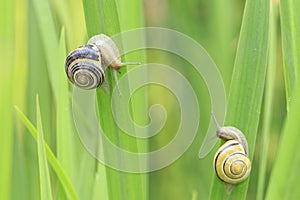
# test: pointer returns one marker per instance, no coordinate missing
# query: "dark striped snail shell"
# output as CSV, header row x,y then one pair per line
x,y
85,66
231,162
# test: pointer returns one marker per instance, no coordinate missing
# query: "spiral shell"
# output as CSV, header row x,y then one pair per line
x,y
84,67
231,163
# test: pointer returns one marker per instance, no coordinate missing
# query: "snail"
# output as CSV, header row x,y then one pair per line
x,y
85,66
231,161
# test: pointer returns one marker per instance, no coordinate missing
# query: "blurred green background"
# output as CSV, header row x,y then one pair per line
x,y
30,67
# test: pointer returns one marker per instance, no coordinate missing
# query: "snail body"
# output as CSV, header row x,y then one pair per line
x,y
231,133
231,161
85,66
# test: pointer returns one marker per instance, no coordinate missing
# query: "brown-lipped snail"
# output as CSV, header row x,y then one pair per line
x,y
231,161
85,66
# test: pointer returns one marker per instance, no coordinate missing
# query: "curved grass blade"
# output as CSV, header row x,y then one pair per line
x,y
65,181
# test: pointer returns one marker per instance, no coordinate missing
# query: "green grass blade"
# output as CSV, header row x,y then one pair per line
x,y
63,119
92,17
268,102
55,57
245,96
100,190
7,25
132,16
70,15
45,185
283,182
290,28
69,149
51,157
128,12
102,17
63,116
36,65
21,54
47,28
224,14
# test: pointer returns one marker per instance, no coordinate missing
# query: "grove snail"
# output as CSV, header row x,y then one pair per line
x,y
85,66
231,161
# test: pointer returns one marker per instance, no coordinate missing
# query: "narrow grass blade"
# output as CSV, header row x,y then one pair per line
x,y
283,182
290,28
21,55
46,25
65,181
63,117
268,102
45,184
100,190
65,131
222,36
36,65
7,25
246,91
132,16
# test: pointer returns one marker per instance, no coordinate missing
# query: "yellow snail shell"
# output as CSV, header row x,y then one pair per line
x,y
231,161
